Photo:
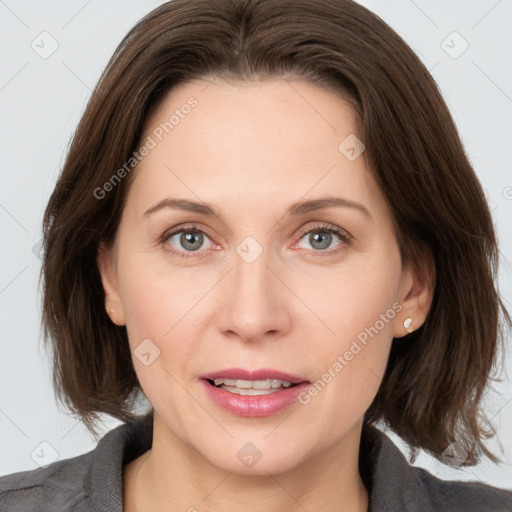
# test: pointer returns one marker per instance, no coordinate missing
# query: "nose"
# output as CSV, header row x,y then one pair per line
x,y
255,302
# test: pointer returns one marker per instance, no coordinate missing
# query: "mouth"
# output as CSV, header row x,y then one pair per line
x,y
239,381
254,393
251,387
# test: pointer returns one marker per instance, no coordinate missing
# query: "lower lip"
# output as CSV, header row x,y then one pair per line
x,y
254,405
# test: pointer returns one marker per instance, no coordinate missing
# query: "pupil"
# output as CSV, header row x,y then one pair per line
x,y
187,240
314,238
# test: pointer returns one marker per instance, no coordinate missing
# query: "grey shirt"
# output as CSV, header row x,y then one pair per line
x,y
93,482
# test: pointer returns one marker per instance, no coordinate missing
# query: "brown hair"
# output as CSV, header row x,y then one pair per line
x,y
436,376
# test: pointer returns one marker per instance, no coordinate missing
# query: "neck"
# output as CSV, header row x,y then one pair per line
x,y
173,476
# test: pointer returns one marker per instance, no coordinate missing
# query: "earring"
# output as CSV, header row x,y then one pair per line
x,y
112,311
407,324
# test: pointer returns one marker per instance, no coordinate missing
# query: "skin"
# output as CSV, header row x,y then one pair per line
x,y
251,150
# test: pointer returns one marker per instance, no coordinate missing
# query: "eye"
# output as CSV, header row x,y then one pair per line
x,y
186,240
320,238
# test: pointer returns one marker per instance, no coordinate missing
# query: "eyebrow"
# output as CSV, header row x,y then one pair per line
x,y
295,209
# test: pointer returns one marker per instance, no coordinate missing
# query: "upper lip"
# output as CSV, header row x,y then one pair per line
x,y
262,374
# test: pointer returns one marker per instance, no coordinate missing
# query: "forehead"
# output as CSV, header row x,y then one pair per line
x,y
249,143
271,118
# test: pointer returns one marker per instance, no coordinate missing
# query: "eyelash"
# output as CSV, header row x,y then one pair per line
x,y
192,228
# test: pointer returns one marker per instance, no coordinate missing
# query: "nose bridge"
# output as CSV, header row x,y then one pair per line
x,y
251,273
253,303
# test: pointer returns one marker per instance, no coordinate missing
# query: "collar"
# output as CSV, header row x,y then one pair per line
x,y
116,449
393,484
390,480
384,469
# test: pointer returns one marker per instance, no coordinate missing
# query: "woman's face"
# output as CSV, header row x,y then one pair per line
x,y
269,284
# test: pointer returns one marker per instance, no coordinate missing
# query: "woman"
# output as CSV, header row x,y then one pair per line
x,y
267,224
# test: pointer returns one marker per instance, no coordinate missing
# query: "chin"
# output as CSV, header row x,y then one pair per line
x,y
255,458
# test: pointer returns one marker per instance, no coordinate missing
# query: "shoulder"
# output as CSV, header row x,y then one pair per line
x,y
91,481
451,495
397,485
63,485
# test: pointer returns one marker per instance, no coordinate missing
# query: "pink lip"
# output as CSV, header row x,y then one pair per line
x,y
263,374
253,405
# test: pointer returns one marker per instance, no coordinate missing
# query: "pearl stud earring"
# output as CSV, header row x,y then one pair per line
x,y
407,324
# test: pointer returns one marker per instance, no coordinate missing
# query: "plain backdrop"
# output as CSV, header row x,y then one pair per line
x,y
52,54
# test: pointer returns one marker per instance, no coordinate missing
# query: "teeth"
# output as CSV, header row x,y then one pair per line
x,y
254,384
240,391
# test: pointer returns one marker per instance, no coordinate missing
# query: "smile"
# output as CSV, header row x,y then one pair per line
x,y
251,387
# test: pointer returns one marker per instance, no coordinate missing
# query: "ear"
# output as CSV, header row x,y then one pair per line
x,y
105,259
415,295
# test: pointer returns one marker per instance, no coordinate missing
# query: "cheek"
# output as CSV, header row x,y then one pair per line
x,y
167,306
156,294
357,307
161,312
354,357
352,297
348,366
148,308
